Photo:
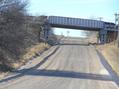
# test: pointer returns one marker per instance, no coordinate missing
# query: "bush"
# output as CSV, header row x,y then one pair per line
x,y
12,30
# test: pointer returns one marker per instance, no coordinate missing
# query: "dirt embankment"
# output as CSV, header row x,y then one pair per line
x,y
29,54
111,54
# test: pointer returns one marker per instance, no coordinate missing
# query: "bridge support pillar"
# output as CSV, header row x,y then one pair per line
x,y
46,32
103,36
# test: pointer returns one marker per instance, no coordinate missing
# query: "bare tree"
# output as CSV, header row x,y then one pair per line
x,y
12,28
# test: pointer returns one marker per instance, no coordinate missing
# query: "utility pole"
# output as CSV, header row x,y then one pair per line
x,y
100,18
68,33
117,26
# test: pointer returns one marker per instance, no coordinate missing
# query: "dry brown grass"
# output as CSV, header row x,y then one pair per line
x,y
111,54
30,52
3,74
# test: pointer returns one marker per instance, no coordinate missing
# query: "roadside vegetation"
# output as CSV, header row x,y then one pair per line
x,y
111,53
20,34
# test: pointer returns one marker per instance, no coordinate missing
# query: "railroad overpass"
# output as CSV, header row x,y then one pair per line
x,y
106,29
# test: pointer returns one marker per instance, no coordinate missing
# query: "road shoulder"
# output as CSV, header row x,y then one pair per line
x,y
34,63
111,54
109,61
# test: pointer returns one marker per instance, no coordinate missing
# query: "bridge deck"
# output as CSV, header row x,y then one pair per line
x,y
78,23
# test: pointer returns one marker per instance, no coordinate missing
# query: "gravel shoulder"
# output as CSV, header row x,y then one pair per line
x,y
111,54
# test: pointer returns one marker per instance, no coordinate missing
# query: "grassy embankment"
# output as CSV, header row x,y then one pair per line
x,y
111,54
29,53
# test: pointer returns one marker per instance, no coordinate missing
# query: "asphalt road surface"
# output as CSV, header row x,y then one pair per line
x,y
72,66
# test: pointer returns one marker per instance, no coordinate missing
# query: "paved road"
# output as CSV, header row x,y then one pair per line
x,y
70,67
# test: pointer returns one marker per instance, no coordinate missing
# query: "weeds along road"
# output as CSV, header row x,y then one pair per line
x,y
72,66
